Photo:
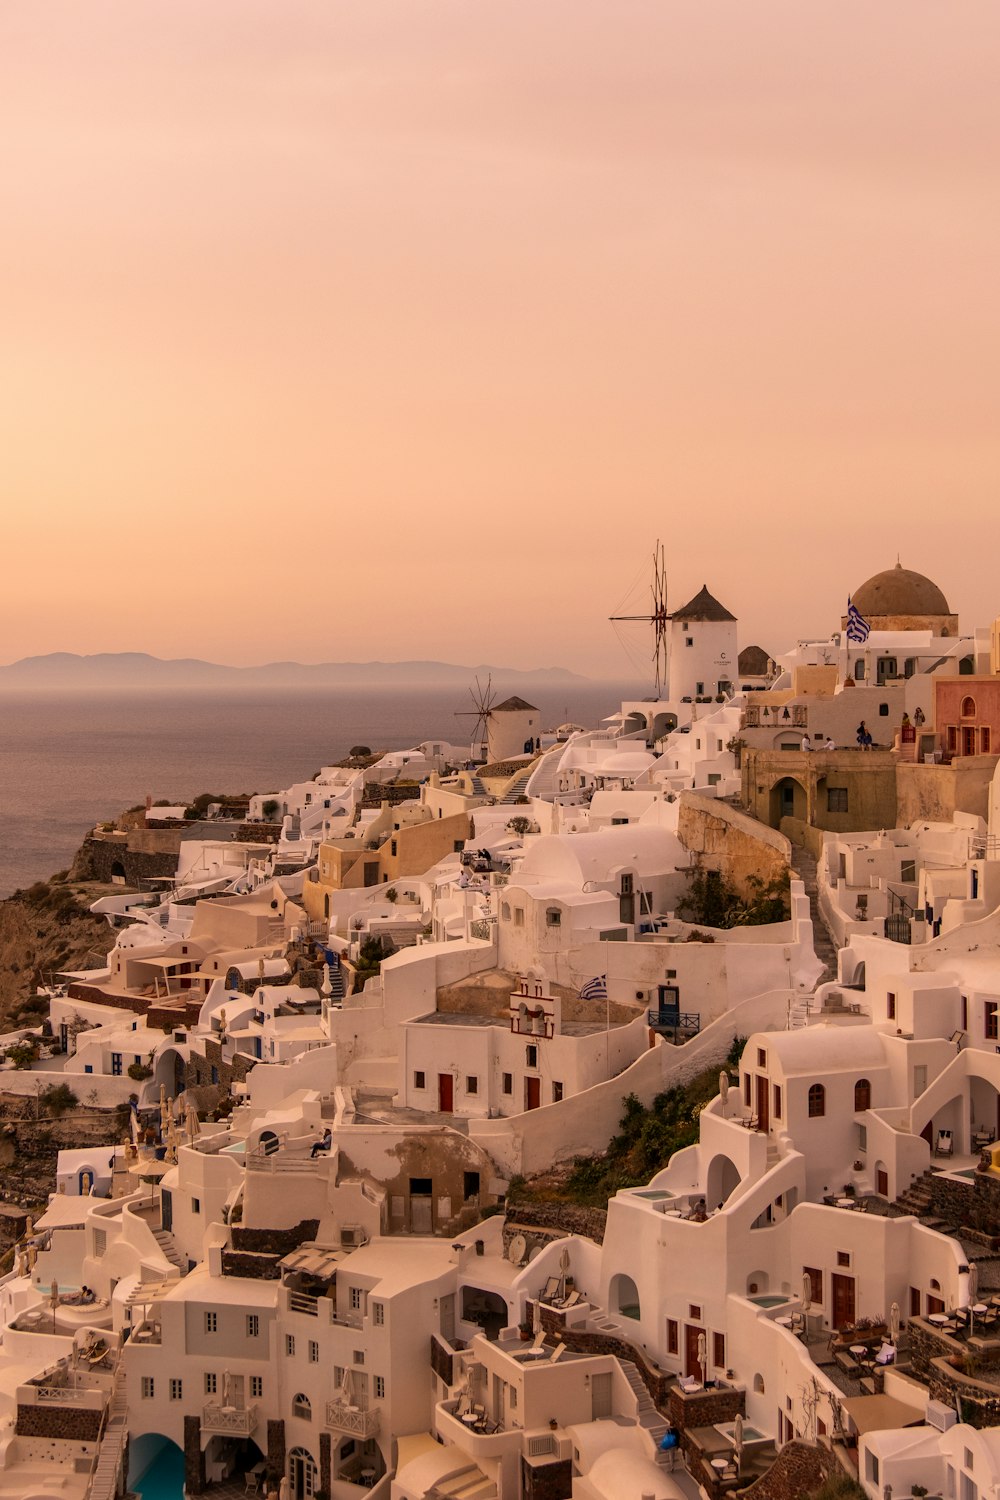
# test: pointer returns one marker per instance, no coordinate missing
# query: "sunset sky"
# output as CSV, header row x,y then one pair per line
x,y
393,328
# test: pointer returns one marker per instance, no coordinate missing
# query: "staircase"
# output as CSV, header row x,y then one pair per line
x,y
478,789
650,1418
543,779
804,866
168,1246
110,1453
336,985
916,1200
516,789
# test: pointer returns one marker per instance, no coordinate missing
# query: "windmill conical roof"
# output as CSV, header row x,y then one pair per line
x,y
704,606
514,705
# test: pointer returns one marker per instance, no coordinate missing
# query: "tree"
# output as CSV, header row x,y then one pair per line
x,y
269,809
711,900
519,825
58,1099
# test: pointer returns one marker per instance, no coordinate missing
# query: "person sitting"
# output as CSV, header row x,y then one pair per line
x,y
318,1147
87,1295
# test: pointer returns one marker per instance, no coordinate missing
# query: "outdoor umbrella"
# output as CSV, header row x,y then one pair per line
x,y
702,1353
738,1441
806,1293
894,1324
724,1089
973,1282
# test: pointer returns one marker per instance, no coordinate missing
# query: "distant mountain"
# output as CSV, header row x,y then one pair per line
x,y
135,669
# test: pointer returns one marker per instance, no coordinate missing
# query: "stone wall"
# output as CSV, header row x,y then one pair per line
x,y
552,1481
274,1241
194,1458
705,1408
325,1462
567,1218
80,1424
375,794
250,1265
658,1383
229,1070
442,1360
276,1448
974,1203
102,856
935,793
798,1471
932,1353
726,840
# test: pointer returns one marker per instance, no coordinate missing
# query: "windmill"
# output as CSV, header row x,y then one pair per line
x,y
657,617
483,698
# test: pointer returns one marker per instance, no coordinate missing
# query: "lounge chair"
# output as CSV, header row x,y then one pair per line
x,y
945,1145
550,1290
886,1355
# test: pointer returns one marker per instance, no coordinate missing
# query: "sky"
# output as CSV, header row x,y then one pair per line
x,y
353,329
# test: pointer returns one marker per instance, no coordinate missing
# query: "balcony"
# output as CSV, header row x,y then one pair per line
x,y
357,1421
239,1421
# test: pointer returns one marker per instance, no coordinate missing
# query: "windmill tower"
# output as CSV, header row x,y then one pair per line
x,y
657,617
483,699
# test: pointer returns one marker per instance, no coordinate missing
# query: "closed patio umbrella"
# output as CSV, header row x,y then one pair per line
x,y
806,1293
738,1441
973,1282
894,1323
702,1353
724,1089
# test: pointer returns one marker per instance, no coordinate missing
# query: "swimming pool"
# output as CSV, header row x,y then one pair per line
x,y
770,1299
163,1479
751,1434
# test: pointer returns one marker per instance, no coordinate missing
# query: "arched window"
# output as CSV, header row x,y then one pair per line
x,y
968,708
862,1095
758,1384
302,1407
817,1101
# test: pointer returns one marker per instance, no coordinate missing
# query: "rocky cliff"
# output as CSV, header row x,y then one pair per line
x,y
42,929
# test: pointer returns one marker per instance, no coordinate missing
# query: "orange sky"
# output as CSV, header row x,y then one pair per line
x,y
388,328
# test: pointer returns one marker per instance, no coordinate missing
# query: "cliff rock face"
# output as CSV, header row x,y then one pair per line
x,y
42,929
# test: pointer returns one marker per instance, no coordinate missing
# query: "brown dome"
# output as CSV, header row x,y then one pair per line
x,y
898,591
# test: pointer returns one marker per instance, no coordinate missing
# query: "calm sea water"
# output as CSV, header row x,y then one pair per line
x,y
69,760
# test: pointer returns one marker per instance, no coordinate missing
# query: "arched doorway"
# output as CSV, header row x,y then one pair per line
x,y
788,800
624,1296
723,1176
303,1475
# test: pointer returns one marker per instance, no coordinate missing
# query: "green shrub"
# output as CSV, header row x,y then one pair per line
x,y
58,1099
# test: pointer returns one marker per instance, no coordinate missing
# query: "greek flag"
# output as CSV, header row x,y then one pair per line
x,y
595,989
858,628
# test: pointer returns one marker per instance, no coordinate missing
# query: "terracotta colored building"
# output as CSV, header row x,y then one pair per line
x,y
967,715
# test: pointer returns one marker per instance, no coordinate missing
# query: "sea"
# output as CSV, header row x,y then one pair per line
x,y
69,760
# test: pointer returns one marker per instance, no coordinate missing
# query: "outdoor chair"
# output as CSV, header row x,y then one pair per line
x,y
550,1289
251,1483
574,1298
945,1145
886,1355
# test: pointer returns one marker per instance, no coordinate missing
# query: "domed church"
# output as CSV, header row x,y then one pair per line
x,y
900,599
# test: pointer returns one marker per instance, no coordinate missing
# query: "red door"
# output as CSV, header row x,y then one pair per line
x,y
446,1093
763,1116
691,1363
532,1093
842,1292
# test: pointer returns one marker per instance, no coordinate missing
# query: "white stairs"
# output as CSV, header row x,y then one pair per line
x,y
104,1480
168,1245
516,789
650,1419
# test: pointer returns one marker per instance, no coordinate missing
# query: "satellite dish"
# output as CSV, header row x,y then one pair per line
x,y
517,1249
536,1250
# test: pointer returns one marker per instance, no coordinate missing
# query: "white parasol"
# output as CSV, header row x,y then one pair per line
x,y
738,1441
227,1388
724,1089
806,1293
973,1282
54,1300
564,1265
702,1354
284,1488
894,1323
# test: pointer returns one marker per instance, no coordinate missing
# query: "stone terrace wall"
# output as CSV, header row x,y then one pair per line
x,y
729,841
568,1218
82,1424
974,1203
797,1472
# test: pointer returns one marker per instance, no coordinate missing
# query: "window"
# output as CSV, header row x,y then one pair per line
x,y
908,871
355,1297
508,1083
843,1258
378,1387
747,1089
472,1084
505,911
890,1006
777,1101
176,1390
836,799
557,1092
553,917
761,1058
313,1352
672,1336
470,1185
719,1350
694,1313
289,1344
968,708
256,1386
817,1101
359,1356
211,1322
393,846
883,710
116,1064
147,1388
862,1095
196,1205
952,737
689,641
378,1312
990,1030
420,1080
518,916
984,741
302,1407
531,1056
253,1325
815,1284
100,1242
211,1384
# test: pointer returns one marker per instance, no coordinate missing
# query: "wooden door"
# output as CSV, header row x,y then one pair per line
x,y
692,1365
842,1293
446,1093
881,1182
447,1309
934,1304
763,1117
600,1396
532,1093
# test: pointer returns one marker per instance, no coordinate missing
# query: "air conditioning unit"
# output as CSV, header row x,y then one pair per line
x,y
941,1416
352,1236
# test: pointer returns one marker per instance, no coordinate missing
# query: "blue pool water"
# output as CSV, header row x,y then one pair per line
x,y
769,1299
164,1478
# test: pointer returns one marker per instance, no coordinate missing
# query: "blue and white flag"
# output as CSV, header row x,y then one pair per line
x,y
595,989
858,628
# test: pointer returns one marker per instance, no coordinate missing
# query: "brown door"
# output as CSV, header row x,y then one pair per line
x,y
762,1097
934,1304
532,1093
842,1292
691,1363
968,741
446,1093
881,1183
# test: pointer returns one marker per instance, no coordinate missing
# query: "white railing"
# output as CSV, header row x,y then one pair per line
x,y
359,1421
237,1419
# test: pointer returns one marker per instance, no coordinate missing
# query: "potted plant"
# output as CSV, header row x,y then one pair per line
x,y
524,1329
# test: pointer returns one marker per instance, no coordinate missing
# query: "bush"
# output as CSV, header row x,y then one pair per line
x,y
269,809
23,1054
139,1072
58,1099
712,900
